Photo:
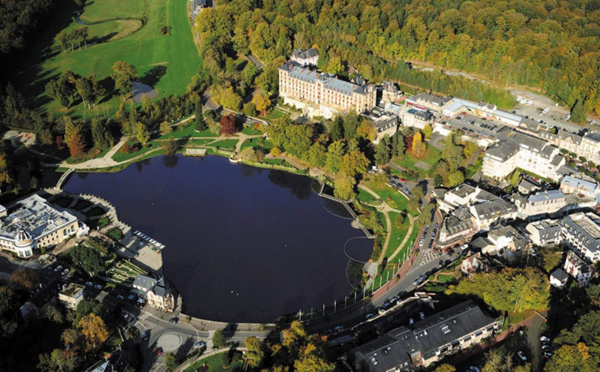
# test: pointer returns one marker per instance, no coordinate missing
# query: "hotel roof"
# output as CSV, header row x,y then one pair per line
x,y
36,216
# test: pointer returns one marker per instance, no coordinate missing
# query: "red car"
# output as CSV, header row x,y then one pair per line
x,y
402,180
158,351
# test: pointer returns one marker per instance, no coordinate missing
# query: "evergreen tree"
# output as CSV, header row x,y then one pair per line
x,y
201,125
336,129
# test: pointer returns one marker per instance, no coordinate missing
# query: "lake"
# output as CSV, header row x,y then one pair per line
x,y
243,244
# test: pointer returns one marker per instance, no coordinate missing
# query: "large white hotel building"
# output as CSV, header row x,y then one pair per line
x,y
34,223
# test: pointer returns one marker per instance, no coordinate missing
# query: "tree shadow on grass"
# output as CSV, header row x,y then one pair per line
x,y
152,76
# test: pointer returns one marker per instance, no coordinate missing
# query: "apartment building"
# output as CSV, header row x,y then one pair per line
x,y
320,94
544,233
308,57
579,186
519,150
426,342
416,118
581,231
490,212
541,203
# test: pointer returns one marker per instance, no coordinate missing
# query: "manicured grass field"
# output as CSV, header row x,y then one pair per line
x,y
146,49
119,156
408,161
225,144
214,364
388,193
110,9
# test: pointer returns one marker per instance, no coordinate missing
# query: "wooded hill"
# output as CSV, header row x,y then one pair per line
x,y
548,44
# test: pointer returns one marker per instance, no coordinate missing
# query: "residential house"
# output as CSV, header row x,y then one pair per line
x,y
457,227
390,93
428,341
416,118
545,233
475,262
490,212
559,278
72,295
429,101
506,237
576,267
157,293
144,283
527,186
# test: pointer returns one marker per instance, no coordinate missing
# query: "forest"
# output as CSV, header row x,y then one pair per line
x,y
550,45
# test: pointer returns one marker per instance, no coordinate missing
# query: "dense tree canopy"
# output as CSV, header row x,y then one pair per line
x,y
511,289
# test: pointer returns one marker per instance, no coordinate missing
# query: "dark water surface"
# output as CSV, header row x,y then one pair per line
x,y
242,244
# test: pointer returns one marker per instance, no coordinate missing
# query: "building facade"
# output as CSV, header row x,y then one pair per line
x,y
544,233
578,269
519,150
34,223
579,186
320,94
542,203
308,57
581,231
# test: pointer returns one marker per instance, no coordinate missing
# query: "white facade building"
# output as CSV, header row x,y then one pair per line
x,y
34,223
578,269
519,150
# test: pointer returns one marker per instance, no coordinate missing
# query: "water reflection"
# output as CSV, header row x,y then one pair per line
x,y
243,244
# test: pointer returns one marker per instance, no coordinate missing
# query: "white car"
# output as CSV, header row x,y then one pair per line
x,y
98,286
521,355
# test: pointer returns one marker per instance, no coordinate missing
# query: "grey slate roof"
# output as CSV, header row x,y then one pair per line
x,y
546,195
493,208
145,282
304,54
433,99
585,227
579,183
329,81
560,274
394,349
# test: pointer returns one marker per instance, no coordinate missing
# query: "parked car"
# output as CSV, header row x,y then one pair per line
x,y
421,315
394,300
411,321
544,339
338,329
521,355
89,284
416,282
369,316
98,286
58,268
146,335
387,304
199,344
380,310
120,297
66,271
158,350
548,354
174,320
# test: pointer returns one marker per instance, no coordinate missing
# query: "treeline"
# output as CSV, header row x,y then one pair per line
x,y
18,20
539,43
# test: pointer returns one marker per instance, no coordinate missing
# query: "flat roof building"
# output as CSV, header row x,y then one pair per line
x,y
72,295
34,223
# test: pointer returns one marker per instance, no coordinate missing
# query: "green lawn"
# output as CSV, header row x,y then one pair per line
x,y
187,131
275,114
199,142
251,131
215,364
408,161
255,143
110,9
365,196
397,236
228,144
119,156
146,49
387,193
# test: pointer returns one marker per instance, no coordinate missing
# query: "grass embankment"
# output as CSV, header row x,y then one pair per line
x,y
215,364
119,31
